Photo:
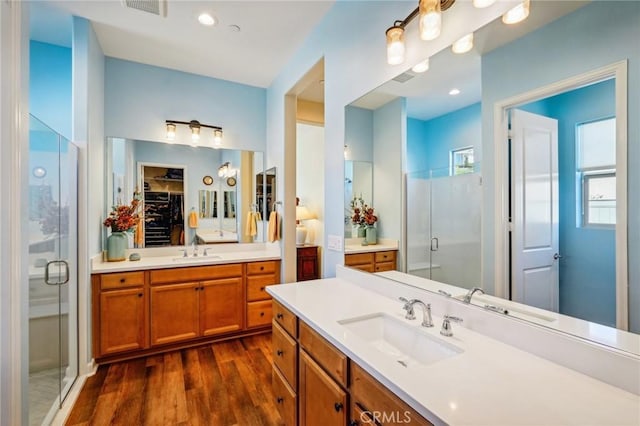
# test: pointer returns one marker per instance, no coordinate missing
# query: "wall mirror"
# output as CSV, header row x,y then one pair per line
x,y
358,184
453,168
217,185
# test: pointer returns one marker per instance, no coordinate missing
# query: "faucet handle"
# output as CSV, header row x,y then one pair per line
x,y
409,308
184,252
446,325
204,253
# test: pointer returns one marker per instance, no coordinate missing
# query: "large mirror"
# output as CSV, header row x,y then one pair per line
x,y
189,194
358,189
527,214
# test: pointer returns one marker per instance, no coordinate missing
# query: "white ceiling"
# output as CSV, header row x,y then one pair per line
x,y
270,32
428,93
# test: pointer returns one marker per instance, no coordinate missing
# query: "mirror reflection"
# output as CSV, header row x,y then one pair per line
x,y
560,185
197,199
358,185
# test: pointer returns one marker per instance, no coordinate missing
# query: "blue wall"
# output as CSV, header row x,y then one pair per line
x,y
430,142
587,269
567,47
139,98
358,131
50,85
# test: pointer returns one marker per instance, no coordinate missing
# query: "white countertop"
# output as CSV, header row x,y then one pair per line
x,y
610,336
218,254
354,245
489,383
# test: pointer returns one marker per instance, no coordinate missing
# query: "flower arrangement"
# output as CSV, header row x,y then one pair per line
x,y
363,214
124,218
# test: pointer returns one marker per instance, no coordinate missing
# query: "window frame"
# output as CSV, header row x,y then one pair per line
x,y
452,156
585,178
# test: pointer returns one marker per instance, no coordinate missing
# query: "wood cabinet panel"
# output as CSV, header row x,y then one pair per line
x,y
307,263
385,266
379,261
385,256
122,321
221,306
285,354
268,267
372,396
358,259
322,401
121,280
174,313
285,398
365,268
256,286
285,318
259,313
324,353
198,273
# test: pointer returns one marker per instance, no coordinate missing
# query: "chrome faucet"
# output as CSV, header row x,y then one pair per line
x,y
446,325
472,291
195,247
426,311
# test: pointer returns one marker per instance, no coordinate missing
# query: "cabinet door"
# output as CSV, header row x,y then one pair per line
x,y
221,306
122,320
322,401
174,313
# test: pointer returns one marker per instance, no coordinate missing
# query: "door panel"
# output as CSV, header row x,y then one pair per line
x,y
534,209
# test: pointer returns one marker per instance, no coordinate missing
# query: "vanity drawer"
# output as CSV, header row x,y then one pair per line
x,y
258,313
121,280
385,266
256,268
385,256
285,354
324,353
285,318
200,273
285,397
371,396
366,268
358,259
256,287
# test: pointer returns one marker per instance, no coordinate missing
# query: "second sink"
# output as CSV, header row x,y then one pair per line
x,y
406,344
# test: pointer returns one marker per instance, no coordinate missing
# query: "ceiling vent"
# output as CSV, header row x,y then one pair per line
x,y
404,77
156,7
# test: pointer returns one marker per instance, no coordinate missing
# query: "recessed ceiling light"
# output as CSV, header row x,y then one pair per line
x,y
454,92
421,66
206,19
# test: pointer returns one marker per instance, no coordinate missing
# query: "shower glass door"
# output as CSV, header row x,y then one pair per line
x,y
53,317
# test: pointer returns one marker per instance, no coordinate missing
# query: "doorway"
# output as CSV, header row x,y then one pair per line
x,y
570,223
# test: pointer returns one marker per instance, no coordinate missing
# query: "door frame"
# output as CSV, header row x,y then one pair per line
x,y
617,70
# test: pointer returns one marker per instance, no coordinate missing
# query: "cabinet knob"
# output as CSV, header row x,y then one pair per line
x,y
197,288
261,288
279,316
262,268
122,280
261,314
139,294
280,400
338,406
279,352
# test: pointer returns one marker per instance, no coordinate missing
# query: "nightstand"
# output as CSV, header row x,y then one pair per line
x,y
307,256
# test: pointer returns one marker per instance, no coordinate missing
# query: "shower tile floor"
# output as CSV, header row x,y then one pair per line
x,y
43,391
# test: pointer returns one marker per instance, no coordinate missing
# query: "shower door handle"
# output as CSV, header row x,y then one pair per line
x,y
434,244
58,281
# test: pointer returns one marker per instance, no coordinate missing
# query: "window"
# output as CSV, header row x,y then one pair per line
x,y
461,161
596,171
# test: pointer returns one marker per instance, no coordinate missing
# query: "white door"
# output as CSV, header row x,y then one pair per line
x,y
534,210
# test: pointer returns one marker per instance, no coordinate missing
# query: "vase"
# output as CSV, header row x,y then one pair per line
x,y
361,231
371,235
117,244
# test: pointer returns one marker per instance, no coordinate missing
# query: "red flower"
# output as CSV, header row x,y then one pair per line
x,y
124,218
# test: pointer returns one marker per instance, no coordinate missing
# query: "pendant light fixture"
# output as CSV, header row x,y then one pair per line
x,y
395,45
195,126
430,19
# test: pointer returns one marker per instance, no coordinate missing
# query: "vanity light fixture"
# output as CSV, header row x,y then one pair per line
x,y
429,14
463,45
225,170
421,66
517,14
195,126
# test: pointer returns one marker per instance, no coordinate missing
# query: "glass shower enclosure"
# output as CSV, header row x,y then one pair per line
x,y
443,226
53,277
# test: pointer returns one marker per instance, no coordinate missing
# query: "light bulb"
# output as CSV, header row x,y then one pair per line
x,y
207,20
421,66
430,19
480,4
217,137
463,45
171,131
195,133
517,14
395,45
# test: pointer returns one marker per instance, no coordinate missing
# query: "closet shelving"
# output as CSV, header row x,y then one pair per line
x,y
163,190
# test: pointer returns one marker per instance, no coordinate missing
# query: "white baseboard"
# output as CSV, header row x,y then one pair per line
x,y
61,416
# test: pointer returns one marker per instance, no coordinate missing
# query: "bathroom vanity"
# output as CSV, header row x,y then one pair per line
x,y
166,302
345,353
379,257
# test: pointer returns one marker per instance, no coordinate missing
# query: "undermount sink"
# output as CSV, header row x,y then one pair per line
x,y
406,344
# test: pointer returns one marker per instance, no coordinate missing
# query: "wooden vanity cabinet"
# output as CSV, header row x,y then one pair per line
x,y
378,261
322,401
259,276
285,363
122,317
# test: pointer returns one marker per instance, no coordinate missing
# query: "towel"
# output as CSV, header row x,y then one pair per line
x,y
193,219
274,228
139,235
251,228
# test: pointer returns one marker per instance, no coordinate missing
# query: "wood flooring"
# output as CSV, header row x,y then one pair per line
x,y
226,383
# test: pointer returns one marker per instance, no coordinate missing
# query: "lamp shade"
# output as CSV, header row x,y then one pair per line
x,y
302,213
